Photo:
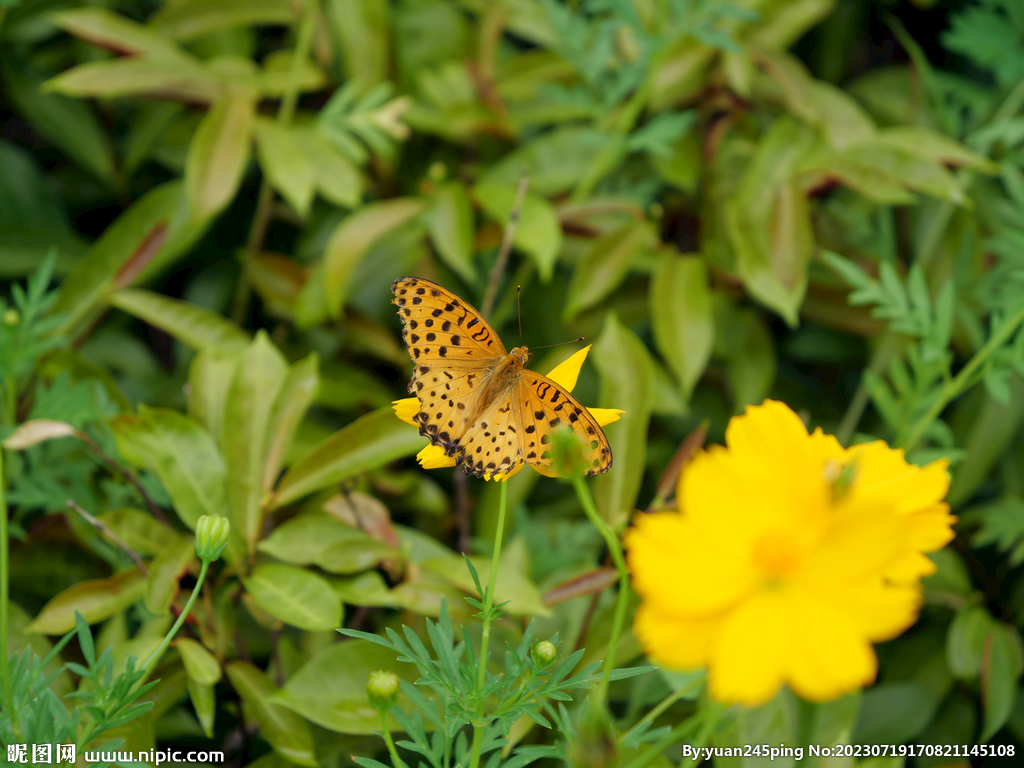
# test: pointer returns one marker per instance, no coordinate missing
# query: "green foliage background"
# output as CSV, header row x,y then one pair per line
x,y
227,189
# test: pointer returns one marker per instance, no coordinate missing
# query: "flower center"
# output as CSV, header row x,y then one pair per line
x,y
776,554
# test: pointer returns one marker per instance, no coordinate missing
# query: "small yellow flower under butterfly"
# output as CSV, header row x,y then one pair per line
x,y
788,557
564,374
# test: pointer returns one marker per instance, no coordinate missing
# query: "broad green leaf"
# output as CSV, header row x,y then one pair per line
x,y
892,713
336,177
164,571
604,263
319,539
555,160
95,599
916,173
682,316
298,390
200,664
353,236
218,154
931,145
184,78
780,24
195,326
139,530
31,220
986,440
624,365
368,443
772,723
287,163
874,182
205,705
449,221
744,341
194,18
330,689
154,231
209,377
367,588
289,735
245,433
538,232
965,642
361,30
999,675
68,123
514,587
768,220
951,577
295,596
178,451
106,29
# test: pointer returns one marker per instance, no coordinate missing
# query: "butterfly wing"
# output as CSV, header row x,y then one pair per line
x,y
541,406
493,443
454,350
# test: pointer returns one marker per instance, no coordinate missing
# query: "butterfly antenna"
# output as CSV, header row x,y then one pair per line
x,y
572,341
506,247
519,307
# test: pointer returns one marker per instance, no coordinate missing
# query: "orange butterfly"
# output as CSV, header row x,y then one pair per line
x,y
478,402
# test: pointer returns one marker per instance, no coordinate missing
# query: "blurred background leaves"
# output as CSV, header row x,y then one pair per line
x,y
819,201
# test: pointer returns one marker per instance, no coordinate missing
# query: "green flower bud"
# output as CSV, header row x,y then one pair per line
x,y
437,171
12,317
211,536
568,453
544,653
382,689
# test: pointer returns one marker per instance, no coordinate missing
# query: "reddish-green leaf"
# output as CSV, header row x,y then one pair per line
x,y
95,599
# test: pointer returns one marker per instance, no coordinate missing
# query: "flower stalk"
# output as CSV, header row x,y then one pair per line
x,y
622,602
488,610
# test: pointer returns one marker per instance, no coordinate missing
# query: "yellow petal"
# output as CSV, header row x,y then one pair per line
x,y
827,654
748,660
674,642
880,610
433,457
686,570
605,416
566,372
406,408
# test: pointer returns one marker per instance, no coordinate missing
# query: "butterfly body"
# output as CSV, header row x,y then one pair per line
x,y
478,402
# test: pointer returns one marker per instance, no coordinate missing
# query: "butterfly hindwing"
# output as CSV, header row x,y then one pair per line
x,y
541,407
493,444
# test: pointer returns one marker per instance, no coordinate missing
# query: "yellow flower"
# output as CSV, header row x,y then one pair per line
x,y
788,557
565,374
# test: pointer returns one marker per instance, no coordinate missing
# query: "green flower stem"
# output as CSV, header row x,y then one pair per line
x,y
664,704
703,723
485,639
181,619
889,343
615,548
386,733
5,672
955,386
265,197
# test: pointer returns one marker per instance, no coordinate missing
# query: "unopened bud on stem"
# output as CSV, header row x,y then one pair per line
x,y
211,536
382,689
